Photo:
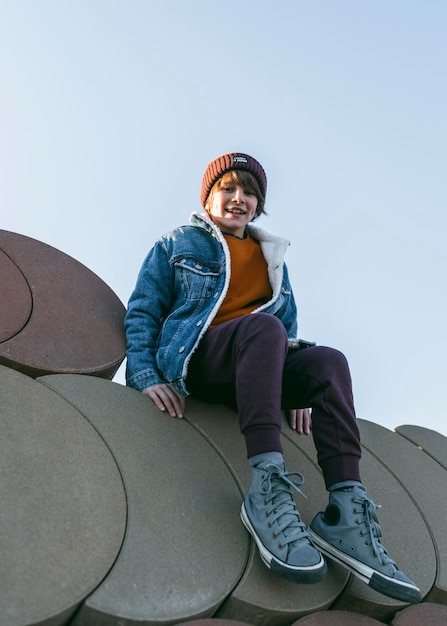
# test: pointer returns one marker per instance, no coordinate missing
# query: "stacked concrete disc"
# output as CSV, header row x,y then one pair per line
x,y
63,506
185,554
55,314
422,474
184,549
116,515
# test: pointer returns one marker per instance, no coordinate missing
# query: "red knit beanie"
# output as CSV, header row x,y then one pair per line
x,y
227,162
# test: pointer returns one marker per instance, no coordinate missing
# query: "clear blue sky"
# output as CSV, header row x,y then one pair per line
x,y
111,109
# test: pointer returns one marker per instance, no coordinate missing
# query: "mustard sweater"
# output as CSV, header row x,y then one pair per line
x,y
249,283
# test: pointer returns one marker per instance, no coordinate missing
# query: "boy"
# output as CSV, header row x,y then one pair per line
x,y
213,314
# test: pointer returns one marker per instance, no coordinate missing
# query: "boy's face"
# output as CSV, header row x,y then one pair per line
x,y
233,207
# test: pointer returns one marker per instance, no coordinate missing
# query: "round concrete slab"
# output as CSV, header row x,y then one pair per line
x,y
427,613
55,314
63,505
429,441
336,618
425,479
185,548
213,622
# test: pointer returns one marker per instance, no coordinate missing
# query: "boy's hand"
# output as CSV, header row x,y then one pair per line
x,y
300,420
166,398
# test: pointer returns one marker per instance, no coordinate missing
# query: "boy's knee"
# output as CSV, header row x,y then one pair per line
x,y
271,324
269,327
332,360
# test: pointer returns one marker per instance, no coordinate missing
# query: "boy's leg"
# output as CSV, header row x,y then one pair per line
x,y
348,530
319,377
241,363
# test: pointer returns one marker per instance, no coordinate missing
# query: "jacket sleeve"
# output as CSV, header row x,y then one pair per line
x,y
148,307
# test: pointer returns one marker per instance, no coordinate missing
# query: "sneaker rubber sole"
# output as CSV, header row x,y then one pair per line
x,y
391,587
298,574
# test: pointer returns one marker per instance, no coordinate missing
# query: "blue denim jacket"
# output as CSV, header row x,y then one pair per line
x,y
179,289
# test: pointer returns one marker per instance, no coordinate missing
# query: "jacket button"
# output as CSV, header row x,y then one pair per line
x,y
182,349
199,323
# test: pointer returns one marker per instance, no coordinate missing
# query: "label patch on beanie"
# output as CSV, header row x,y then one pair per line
x,y
239,159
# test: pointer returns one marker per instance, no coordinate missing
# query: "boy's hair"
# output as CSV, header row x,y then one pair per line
x,y
239,177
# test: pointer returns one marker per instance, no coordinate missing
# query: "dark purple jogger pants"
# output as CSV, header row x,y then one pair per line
x,y
245,363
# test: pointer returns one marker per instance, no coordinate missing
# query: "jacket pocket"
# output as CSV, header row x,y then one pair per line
x,y
197,279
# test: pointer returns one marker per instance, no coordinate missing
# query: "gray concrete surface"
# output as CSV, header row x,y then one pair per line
x,y
432,443
63,505
425,614
425,480
185,554
185,548
336,618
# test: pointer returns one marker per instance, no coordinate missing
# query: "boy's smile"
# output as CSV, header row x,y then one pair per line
x,y
233,208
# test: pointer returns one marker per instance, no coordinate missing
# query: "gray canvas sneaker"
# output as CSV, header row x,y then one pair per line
x,y
349,532
271,517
